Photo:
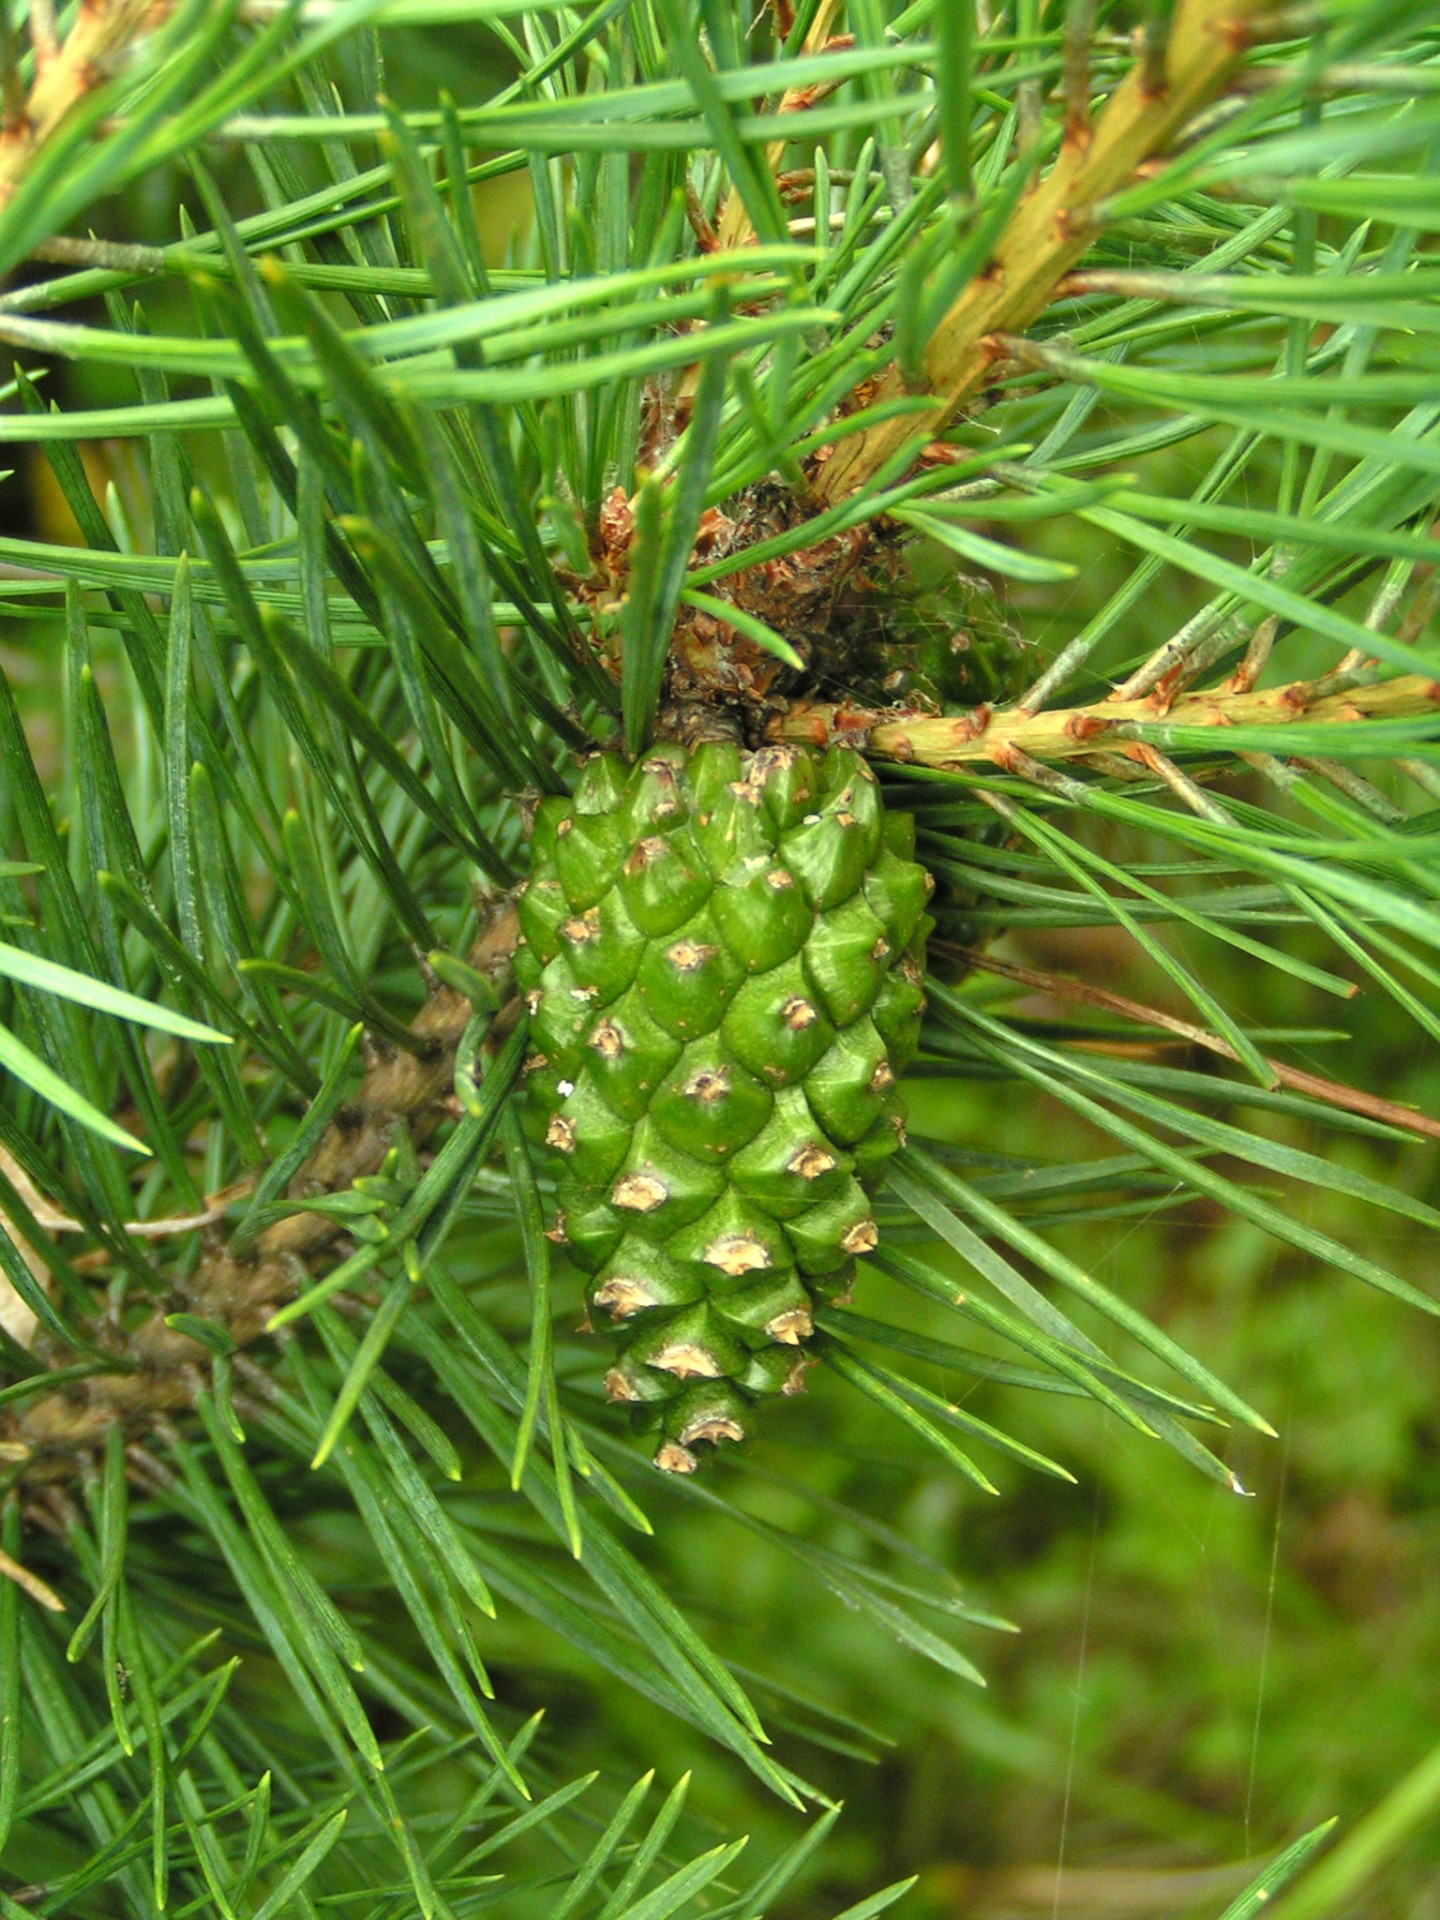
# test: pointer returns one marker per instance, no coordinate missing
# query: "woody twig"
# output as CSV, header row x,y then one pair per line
x,y
986,737
66,73
1334,1093
733,228
1052,227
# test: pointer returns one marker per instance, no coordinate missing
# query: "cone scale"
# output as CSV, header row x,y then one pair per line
x,y
722,958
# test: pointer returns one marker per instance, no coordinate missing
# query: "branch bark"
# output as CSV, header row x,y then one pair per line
x,y
988,738
1051,228
66,73
1334,1093
733,228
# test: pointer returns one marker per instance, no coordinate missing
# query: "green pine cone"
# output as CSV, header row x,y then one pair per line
x,y
722,955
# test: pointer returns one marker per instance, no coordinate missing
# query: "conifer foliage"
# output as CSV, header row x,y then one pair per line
x,y
537,731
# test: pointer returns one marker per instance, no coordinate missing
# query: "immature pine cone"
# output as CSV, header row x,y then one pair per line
x,y
722,957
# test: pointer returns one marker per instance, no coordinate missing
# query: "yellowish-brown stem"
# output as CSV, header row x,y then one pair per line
x,y
733,228
1051,228
1002,738
100,35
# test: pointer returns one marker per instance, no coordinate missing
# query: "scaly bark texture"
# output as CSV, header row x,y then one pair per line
x,y
1051,228
998,738
67,72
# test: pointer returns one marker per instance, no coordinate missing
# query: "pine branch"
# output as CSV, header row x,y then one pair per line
x,y
1050,230
985,737
734,229
290,758
67,72
237,1292
1335,1093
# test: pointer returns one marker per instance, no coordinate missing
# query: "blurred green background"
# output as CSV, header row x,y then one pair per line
x,y
1198,1677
